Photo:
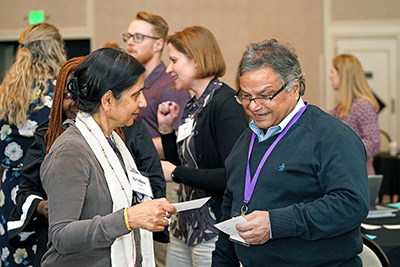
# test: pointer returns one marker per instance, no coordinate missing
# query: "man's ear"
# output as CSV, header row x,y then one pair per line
x,y
159,45
296,87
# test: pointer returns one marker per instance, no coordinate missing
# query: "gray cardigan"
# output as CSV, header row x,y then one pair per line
x,y
82,226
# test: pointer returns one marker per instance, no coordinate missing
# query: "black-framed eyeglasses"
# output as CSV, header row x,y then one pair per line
x,y
261,99
137,37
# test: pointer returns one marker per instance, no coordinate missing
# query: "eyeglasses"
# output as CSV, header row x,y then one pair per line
x,y
137,37
260,100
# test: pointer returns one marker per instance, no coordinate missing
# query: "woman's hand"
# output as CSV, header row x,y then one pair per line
x,y
42,208
151,215
167,168
166,115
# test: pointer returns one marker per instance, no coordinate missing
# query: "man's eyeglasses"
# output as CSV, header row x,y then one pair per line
x,y
137,37
258,100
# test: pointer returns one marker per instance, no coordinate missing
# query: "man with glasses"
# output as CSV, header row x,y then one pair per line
x,y
145,40
297,175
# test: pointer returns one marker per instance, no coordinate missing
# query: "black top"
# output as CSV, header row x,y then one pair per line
x,y
218,126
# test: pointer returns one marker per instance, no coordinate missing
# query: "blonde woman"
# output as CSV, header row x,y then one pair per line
x,y
357,105
25,101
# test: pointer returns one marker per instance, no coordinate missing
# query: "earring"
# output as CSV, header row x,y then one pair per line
x,y
108,110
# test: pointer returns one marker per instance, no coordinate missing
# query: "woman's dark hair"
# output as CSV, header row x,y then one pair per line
x,y
104,69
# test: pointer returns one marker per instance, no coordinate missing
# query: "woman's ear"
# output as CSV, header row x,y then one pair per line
x,y
106,100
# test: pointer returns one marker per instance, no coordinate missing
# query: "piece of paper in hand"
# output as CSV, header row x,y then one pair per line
x,y
229,227
189,205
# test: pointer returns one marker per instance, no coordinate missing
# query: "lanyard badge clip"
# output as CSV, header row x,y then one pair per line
x,y
244,209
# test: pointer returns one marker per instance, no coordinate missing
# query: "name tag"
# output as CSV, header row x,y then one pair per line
x,y
140,183
184,130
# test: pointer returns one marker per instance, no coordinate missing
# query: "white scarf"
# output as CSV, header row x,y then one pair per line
x,y
123,249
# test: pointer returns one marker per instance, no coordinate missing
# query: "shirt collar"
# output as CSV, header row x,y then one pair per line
x,y
276,129
194,104
154,75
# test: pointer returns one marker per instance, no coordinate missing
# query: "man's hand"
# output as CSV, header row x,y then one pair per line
x,y
256,230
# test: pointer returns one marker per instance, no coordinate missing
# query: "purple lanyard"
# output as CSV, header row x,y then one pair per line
x,y
251,183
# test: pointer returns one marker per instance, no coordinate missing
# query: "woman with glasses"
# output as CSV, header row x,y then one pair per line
x,y
25,100
211,123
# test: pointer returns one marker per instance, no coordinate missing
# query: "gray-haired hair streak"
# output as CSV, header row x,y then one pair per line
x,y
279,56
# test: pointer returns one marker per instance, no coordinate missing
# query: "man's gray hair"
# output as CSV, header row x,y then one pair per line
x,y
279,56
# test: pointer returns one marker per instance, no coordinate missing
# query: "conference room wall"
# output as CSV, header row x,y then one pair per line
x,y
235,24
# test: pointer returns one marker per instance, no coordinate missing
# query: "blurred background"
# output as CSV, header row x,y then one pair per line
x,y
318,29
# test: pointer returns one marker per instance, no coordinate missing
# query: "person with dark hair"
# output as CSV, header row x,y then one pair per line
x,y
25,100
297,175
100,207
195,158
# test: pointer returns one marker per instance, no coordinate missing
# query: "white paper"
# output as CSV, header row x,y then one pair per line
x,y
229,227
392,227
370,226
381,213
189,205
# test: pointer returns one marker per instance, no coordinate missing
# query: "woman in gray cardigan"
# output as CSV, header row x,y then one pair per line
x,y
100,207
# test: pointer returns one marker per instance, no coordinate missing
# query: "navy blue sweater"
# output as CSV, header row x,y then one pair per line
x,y
314,185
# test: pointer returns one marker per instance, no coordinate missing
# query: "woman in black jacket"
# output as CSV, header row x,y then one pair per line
x,y
211,123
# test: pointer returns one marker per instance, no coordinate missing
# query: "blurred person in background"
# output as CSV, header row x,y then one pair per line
x,y
25,100
145,40
112,43
357,107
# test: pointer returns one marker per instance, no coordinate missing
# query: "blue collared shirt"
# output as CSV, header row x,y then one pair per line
x,y
276,129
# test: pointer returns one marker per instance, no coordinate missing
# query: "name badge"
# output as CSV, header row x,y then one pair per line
x,y
140,183
184,130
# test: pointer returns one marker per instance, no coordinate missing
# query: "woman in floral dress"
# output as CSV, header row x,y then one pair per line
x,y
25,101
